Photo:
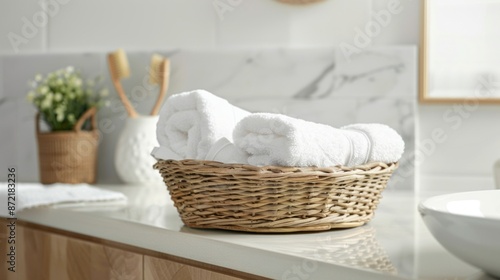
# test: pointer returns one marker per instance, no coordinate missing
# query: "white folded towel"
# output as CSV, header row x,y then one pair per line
x,y
33,195
191,122
273,139
386,144
225,151
165,153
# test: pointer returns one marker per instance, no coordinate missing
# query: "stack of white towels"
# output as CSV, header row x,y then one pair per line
x,y
200,125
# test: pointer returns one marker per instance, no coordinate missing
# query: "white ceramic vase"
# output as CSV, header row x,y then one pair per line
x,y
133,161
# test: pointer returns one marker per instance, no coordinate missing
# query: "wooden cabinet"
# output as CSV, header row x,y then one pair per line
x,y
43,254
159,269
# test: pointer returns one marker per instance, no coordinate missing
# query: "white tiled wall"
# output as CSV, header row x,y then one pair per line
x,y
472,143
253,23
91,25
147,24
336,24
16,34
402,27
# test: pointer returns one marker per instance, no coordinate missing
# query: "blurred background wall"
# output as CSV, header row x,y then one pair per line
x,y
75,26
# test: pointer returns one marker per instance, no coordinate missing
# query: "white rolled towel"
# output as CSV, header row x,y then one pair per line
x,y
273,139
225,151
386,144
191,122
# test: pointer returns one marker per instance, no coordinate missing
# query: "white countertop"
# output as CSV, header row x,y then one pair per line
x,y
394,245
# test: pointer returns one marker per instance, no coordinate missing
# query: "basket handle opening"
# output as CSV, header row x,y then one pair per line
x,y
90,113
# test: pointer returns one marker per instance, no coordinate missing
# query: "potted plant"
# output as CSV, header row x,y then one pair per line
x,y
68,105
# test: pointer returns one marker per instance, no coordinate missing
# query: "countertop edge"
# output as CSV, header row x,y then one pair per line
x,y
228,255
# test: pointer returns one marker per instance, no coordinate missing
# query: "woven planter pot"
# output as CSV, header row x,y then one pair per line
x,y
240,197
68,156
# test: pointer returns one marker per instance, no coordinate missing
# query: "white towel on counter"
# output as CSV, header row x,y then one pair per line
x,y
273,139
28,195
191,122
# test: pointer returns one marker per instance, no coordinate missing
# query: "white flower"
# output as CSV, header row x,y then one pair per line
x,y
60,110
60,91
77,82
50,96
46,103
43,89
58,97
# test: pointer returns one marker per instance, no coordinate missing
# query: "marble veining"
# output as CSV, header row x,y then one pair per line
x,y
339,81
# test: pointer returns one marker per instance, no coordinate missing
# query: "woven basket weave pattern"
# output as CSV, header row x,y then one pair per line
x,y
273,199
68,156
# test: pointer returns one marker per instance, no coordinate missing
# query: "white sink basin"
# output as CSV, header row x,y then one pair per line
x,y
468,225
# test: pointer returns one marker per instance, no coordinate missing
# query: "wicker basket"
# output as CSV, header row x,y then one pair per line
x,y
68,156
239,197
